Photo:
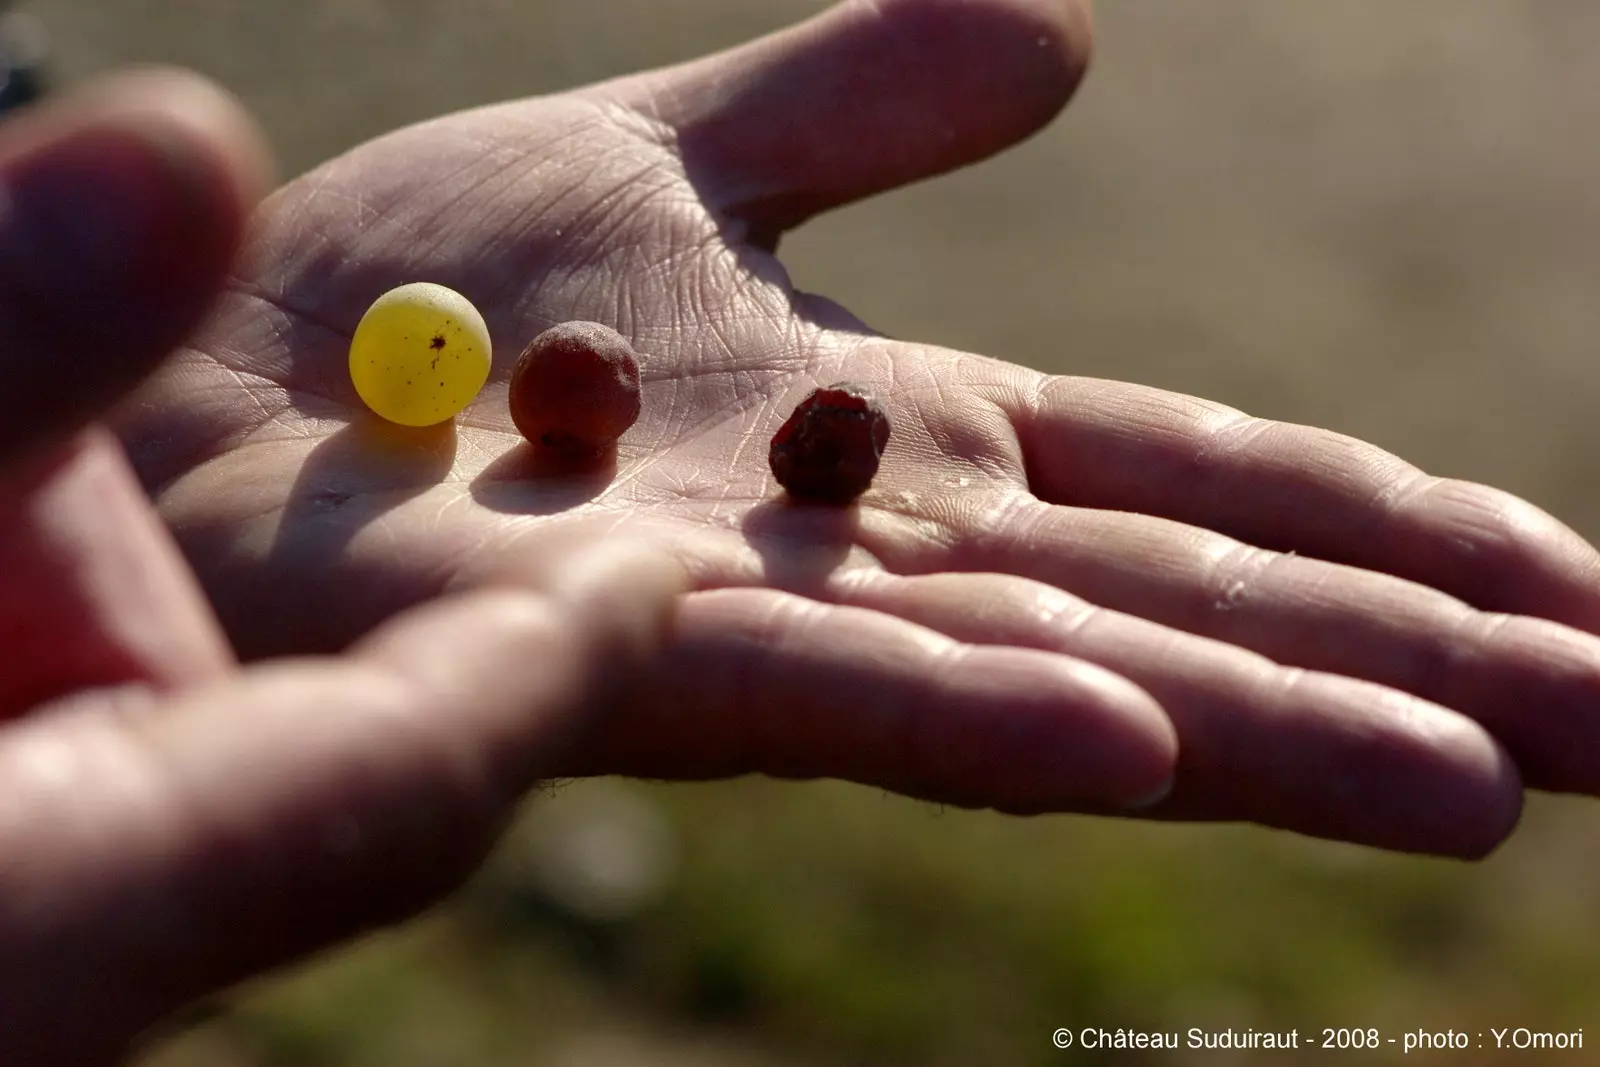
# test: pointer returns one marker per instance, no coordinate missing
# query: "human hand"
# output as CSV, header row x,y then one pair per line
x,y
1059,589
170,823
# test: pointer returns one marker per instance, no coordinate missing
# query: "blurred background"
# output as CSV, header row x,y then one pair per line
x,y
1380,218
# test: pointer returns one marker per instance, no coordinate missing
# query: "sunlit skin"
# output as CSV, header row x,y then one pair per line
x,y
1056,588
1059,593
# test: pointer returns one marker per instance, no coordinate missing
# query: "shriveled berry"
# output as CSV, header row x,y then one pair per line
x,y
575,390
829,449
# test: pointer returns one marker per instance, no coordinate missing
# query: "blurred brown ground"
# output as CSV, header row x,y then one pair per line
x,y
1375,217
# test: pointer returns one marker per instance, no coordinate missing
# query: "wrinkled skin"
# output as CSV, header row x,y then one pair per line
x,y
1060,594
1057,589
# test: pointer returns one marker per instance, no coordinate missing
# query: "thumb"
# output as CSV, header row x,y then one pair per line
x,y
864,97
121,209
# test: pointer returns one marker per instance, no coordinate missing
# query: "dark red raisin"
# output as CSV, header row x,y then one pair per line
x,y
575,390
830,447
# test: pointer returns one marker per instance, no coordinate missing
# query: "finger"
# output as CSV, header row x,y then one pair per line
x,y
121,208
610,608
867,96
1314,753
1297,488
95,592
768,682
184,846
1535,684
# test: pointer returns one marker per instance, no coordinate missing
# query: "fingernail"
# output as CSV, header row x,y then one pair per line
x,y
83,218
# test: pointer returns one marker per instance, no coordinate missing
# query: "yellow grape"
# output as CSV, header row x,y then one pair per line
x,y
420,354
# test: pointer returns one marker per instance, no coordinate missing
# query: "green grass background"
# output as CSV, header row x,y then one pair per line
x,y
1375,217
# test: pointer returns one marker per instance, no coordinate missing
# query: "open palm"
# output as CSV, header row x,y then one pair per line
x,y
1061,593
